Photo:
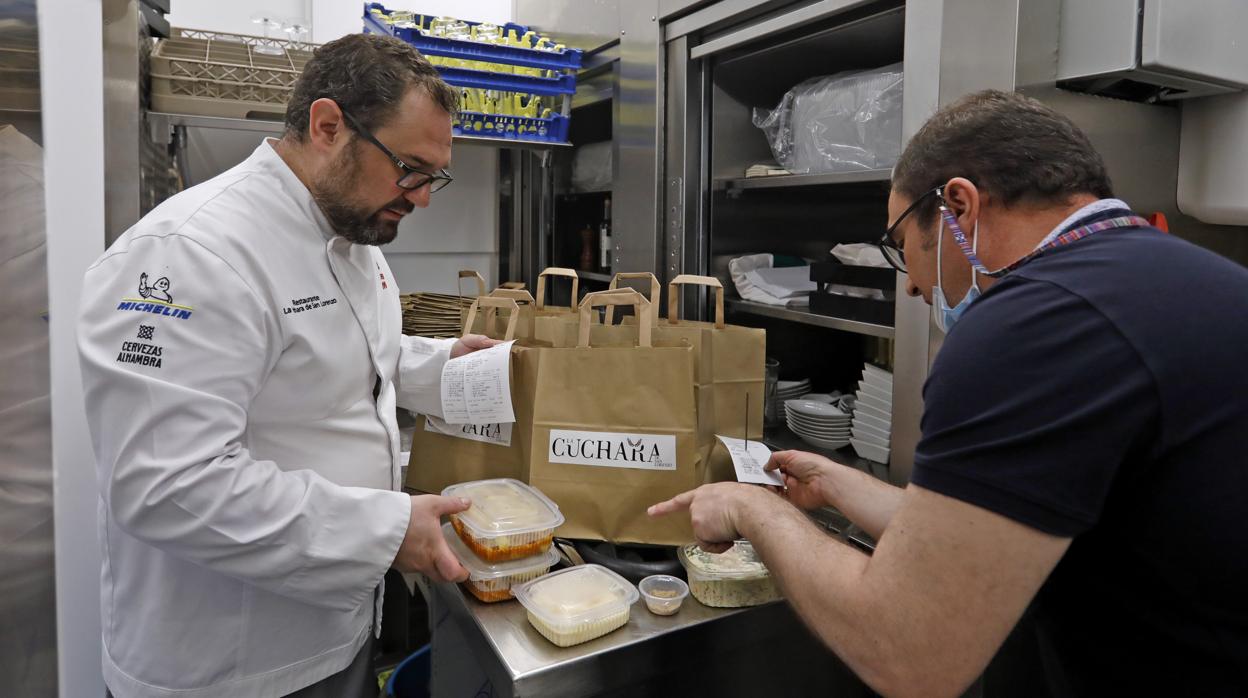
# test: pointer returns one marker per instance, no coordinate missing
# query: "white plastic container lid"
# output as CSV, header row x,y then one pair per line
x,y
480,570
738,562
504,507
581,594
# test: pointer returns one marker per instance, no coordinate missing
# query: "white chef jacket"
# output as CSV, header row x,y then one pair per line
x,y
231,345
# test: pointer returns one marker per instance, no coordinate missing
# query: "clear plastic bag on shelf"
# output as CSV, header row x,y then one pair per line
x,y
837,123
592,167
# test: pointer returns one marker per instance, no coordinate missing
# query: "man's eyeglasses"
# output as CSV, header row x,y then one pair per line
x,y
888,243
412,178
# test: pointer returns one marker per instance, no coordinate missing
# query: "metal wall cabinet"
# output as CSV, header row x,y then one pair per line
x,y
1162,49
723,60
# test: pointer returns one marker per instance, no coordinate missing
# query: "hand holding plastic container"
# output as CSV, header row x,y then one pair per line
x,y
508,520
494,581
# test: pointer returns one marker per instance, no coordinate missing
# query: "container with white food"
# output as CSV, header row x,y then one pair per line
x,y
732,579
508,520
494,581
577,604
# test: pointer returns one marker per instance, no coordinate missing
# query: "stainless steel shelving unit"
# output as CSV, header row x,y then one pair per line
x,y
809,318
594,276
217,122
780,438
723,61
803,180
275,128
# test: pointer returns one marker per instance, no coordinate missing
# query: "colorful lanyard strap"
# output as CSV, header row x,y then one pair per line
x,y
1064,239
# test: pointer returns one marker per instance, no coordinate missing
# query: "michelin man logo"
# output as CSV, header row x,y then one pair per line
x,y
158,291
155,299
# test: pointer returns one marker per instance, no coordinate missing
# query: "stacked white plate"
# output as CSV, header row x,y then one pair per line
x,y
818,423
873,414
790,390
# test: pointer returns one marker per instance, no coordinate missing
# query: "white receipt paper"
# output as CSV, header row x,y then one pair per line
x,y
748,458
476,387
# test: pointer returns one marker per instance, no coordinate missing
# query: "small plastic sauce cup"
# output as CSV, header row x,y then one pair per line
x,y
663,593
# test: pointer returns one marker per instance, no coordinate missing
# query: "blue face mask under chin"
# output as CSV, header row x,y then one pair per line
x,y
944,315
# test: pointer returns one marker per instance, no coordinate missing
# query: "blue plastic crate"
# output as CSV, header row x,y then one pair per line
x,y
563,59
563,63
552,129
466,77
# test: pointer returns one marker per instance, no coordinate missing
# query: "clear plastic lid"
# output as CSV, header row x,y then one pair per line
x,y
738,562
504,507
480,570
581,594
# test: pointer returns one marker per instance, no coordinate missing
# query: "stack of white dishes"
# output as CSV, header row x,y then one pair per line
x,y
818,423
790,390
873,414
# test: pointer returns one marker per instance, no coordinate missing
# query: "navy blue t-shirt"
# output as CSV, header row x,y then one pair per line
x,y
1100,392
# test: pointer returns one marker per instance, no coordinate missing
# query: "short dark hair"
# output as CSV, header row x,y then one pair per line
x,y
1012,146
367,75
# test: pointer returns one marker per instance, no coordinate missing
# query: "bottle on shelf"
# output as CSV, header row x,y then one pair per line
x,y
587,248
604,238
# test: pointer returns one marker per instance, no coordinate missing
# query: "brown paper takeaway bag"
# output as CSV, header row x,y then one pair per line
x,y
611,430
738,360
459,288
445,454
565,331
608,334
730,360
531,309
488,321
543,310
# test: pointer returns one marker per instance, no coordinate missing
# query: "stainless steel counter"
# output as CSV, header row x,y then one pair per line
x,y
699,651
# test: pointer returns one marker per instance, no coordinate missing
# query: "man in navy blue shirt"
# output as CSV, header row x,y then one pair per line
x,y
1084,437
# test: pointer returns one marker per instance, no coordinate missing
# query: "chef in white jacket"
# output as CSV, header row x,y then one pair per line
x,y
243,359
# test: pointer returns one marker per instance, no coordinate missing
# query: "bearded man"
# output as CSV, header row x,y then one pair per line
x,y
244,420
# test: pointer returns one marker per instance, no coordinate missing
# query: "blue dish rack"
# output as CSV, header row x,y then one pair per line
x,y
564,63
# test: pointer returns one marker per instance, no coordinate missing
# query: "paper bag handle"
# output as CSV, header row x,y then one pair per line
x,y
655,290
470,274
488,302
673,297
555,271
626,292
513,285
611,299
516,294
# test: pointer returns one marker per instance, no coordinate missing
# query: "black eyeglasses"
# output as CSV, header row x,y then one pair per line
x,y
412,178
888,243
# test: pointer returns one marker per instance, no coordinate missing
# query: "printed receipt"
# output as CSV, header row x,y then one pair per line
x,y
748,458
476,388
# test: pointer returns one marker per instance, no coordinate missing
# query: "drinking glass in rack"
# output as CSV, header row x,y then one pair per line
x,y
267,23
296,32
